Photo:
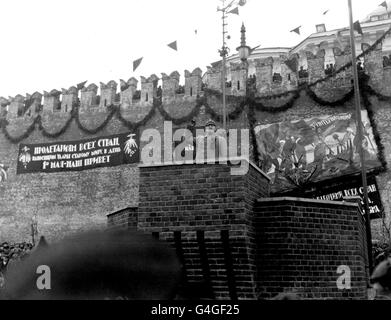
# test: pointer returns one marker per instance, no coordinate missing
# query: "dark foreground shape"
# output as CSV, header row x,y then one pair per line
x,y
98,265
381,280
382,274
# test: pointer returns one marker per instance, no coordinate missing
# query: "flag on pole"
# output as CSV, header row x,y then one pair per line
x,y
384,4
136,63
234,11
81,85
173,46
297,30
357,27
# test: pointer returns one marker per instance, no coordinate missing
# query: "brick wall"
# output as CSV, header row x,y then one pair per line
x,y
67,202
126,218
301,244
63,202
207,198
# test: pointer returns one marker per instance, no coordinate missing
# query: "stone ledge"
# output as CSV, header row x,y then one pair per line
x,y
192,162
307,200
121,210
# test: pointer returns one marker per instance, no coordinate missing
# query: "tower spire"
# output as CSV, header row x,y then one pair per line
x,y
243,36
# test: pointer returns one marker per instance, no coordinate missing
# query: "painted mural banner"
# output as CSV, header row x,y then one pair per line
x,y
314,149
79,155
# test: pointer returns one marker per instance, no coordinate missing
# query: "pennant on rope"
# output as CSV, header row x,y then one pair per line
x,y
173,46
136,63
384,4
234,11
81,85
357,27
297,30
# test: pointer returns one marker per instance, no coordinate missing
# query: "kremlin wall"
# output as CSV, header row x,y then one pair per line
x,y
64,202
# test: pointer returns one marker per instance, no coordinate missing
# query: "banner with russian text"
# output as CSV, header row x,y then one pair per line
x,y
79,155
353,188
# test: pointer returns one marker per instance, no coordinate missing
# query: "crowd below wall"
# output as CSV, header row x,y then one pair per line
x,y
13,251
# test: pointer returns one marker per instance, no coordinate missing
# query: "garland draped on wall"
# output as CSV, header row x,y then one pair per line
x,y
253,103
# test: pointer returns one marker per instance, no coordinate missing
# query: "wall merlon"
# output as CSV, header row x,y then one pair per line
x,y
88,97
213,78
107,94
33,104
132,82
91,87
315,62
51,101
238,79
4,102
193,82
264,74
16,107
71,90
128,90
148,89
69,98
374,66
170,84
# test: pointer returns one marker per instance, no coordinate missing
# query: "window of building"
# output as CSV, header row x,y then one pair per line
x,y
374,18
238,85
321,28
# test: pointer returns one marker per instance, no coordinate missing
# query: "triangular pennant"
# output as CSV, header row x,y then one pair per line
x,y
325,12
297,30
234,11
173,45
384,4
81,85
357,27
136,63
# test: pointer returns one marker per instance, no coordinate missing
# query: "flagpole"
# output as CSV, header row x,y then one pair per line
x,y
223,71
360,136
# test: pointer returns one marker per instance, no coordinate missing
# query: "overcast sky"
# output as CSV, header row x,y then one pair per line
x,y
54,44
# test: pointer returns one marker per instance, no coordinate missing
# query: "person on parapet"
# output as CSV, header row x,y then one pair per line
x,y
302,73
212,145
159,91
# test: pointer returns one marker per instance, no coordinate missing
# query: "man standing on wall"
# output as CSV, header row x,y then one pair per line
x,y
214,146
